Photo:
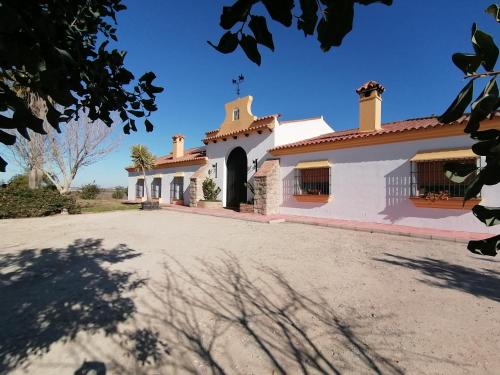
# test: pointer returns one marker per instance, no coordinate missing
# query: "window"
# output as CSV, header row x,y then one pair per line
x,y
177,189
430,182
156,188
139,188
236,114
312,181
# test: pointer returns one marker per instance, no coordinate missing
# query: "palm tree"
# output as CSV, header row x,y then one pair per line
x,y
143,160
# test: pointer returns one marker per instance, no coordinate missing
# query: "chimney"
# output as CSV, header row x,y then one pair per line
x,y
178,146
370,106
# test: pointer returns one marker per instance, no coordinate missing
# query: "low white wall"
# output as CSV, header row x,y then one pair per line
x,y
373,184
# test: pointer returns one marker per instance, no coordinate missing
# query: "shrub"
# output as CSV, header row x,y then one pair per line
x,y
89,191
210,189
19,181
120,192
21,201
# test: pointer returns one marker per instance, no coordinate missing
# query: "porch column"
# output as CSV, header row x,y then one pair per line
x,y
195,185
267,188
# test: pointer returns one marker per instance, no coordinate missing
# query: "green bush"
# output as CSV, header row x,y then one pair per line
x,y
21,201
89,191
120,192
210,189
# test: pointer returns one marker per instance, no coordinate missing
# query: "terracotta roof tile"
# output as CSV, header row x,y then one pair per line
x,y
391,127
258,123
190,155
370,86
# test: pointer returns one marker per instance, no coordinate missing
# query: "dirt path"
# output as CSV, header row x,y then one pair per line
x,y
172,293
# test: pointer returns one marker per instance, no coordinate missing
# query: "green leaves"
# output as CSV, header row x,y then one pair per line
x,y
489,246
457,108
485,48
235,13
467,63
258,25
458,172
309,17
58,51
485,104
335,24
280,11
488,215
149,126
335,21
249,46
494,10
227,43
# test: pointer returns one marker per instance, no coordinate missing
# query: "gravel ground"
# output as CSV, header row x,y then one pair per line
x,y
174,293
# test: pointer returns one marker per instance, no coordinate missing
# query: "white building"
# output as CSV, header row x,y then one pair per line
x,y
382,173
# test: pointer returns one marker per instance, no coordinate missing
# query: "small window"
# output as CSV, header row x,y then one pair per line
x,y
430,182
236,114
312,181
139,188
156,188
177,189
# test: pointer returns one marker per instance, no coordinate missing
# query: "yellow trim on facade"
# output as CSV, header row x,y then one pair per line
x,y
465,153
179,174
313,198
313,164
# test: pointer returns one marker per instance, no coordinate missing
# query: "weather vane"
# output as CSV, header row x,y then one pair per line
x,y
237,83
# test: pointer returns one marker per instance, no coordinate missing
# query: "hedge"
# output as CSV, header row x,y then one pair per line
x,y
20,201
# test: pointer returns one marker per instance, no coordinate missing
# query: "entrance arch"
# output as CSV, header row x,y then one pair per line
x,y
236,178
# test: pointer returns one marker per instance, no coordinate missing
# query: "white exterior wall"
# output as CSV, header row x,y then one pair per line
x,y
294,131
255,146
372,184
167,175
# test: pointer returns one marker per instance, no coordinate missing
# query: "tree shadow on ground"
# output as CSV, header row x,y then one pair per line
x,y
50,295
483,283
209,317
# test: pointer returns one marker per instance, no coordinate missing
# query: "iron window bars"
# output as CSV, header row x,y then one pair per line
x,y
312,181
428,179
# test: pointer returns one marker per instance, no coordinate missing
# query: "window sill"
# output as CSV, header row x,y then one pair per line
x,y
452,203
313,198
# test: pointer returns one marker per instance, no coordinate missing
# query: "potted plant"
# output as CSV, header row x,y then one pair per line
x,y
210,193
143,160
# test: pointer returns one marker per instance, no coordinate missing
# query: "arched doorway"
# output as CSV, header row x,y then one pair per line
x,y
236,178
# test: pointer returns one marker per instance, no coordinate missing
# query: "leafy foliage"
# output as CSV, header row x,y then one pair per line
x,y
119,193
18,200
142,160
210,189
58,51
480,64
330,19
89,191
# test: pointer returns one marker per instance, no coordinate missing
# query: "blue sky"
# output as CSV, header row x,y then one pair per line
x,y
407,47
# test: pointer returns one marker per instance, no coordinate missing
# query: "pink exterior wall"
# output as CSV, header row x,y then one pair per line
x,y
373,184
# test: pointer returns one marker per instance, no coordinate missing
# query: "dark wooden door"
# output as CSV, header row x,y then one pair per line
x,y
236,178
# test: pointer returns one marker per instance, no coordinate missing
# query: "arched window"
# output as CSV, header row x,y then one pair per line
x,y
236,114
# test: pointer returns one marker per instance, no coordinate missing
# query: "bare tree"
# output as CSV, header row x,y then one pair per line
x,y
59,156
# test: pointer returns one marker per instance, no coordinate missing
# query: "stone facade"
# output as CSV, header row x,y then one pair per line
x,y
267,188
195,185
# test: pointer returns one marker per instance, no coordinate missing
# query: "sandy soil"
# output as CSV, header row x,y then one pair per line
x,y
173,293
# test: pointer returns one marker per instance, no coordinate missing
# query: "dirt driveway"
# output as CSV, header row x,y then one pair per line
x,y
174,293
